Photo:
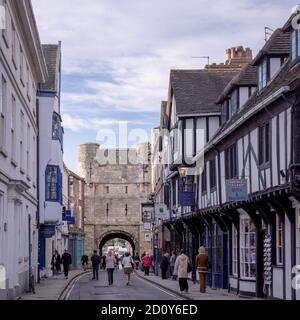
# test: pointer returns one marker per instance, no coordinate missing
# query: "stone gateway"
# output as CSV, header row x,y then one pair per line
x,y
118,181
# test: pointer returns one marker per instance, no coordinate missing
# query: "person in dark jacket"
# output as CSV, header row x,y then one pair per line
x,y
66,260
164,265
95,264
84,261
55,263
137,261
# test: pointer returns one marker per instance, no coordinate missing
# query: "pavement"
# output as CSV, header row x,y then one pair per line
x,y
51,288
194,290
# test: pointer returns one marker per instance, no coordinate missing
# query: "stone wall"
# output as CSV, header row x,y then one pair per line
x,y
114,192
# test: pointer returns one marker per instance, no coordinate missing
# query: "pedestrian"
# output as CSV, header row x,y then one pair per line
x,y
66,260
164,265
181,270
142,256
84,261
147,263
111,263
128,265
137,261
55,263
95,264
202,267
172,264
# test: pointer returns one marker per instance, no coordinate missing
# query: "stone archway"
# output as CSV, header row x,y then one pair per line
x,y
117,234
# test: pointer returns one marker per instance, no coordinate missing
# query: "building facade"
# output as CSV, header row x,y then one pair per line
x,y
246,208
73,191
50,161
22,68
117,183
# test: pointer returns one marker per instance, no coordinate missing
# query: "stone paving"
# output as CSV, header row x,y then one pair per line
x,y
50,288
194,292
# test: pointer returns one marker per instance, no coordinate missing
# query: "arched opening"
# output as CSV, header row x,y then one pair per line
x,y
117,235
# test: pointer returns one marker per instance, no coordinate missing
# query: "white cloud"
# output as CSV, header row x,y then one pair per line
x,y
77,124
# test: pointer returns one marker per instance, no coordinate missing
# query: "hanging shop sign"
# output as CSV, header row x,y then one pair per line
x,y
161,211
147,212
147,225
236,190
186,199
148,237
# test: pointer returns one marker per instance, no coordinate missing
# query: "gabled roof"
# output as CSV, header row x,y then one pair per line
x,y
52,54
246,77
285,77
277,45
196,91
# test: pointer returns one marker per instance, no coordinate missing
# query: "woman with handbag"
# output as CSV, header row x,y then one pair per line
x,y
181,269
202,267
128,265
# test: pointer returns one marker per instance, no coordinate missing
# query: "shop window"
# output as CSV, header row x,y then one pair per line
x,y
53,184
234,251
279,240
247,248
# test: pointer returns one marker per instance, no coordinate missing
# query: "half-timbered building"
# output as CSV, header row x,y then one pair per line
x,y
247,205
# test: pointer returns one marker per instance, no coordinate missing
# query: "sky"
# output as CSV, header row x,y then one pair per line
x,y
117,55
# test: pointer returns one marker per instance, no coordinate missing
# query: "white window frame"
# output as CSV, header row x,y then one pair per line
x,y
22,124
246,256
3,112
279,240
234,251
13,127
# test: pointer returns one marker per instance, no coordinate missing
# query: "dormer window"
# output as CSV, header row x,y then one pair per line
x,y
234,101
263,74
295,47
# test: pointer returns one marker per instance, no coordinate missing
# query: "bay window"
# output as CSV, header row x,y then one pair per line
x,y
247,247
263,74
234,251
53,184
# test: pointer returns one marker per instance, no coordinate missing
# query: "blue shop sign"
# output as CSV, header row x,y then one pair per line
x,y
186,199
236,190
68,217
47,230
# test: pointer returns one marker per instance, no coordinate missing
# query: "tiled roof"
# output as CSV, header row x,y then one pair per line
x,y
285,77
196,91
52,57
277,45
247,77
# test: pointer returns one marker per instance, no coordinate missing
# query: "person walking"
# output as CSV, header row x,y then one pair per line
x,y
202,267
137,261
84,261
66,260
164,265
147,263
172,264
181,270
111,263
55,263
95,264
142,256
128,265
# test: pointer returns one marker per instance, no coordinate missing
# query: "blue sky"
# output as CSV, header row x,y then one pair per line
x,y
117,54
